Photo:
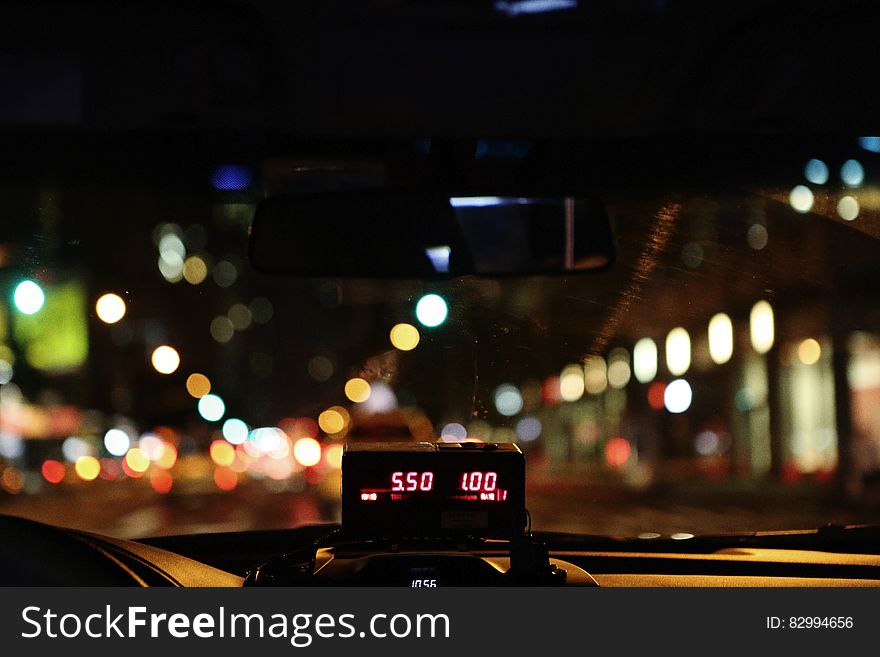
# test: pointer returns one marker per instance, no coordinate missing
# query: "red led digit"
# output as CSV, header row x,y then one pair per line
x,y
426,481
412,481
479,482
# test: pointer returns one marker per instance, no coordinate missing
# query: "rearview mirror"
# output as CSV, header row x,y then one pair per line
x,y
411,234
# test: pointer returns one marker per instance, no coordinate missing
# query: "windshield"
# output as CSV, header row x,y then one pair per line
x,y
722,376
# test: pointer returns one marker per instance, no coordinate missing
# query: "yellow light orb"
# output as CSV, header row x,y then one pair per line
x,y
307,452
222,329
110,308
333,456
166,456
333,420
136,460
809,351
165,359
198,385
222,453
404,337
240,316
194,270
571,383
357,390
87,468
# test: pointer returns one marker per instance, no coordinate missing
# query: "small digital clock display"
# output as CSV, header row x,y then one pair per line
x,y
430,489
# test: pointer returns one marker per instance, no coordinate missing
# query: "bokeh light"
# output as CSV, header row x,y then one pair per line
x,y
222,453
453,432
225,479
117,442
87,468
268,440
431,310
801,199
166,456
12,480
816,171
333,456
404,337
194,270
307,452
161,481
595,375
357,390
720,338
809,351
677,396
211,407
53,471
707,443
224,273
110,469
333,420
320,368
171,267
74,447
151,445
240,316
645,360
619,371
848,208
870,143
198,385
235,431
508,400
6,372
678,351
28,297
757,237
261,310
761,327
136,460
617,452
11,446
165,359
528,429
222,329
170,242
656,393
571,383
382,399
852,173
110,308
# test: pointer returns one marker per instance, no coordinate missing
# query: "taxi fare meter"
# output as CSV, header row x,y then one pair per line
x,y
412,490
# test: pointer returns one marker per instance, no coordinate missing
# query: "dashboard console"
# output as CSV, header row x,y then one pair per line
x,y
427,515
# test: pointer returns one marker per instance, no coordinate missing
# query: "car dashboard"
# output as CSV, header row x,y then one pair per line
x,y
841,557
37,554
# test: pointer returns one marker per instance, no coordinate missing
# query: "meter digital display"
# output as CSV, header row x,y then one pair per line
x,y
433,489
